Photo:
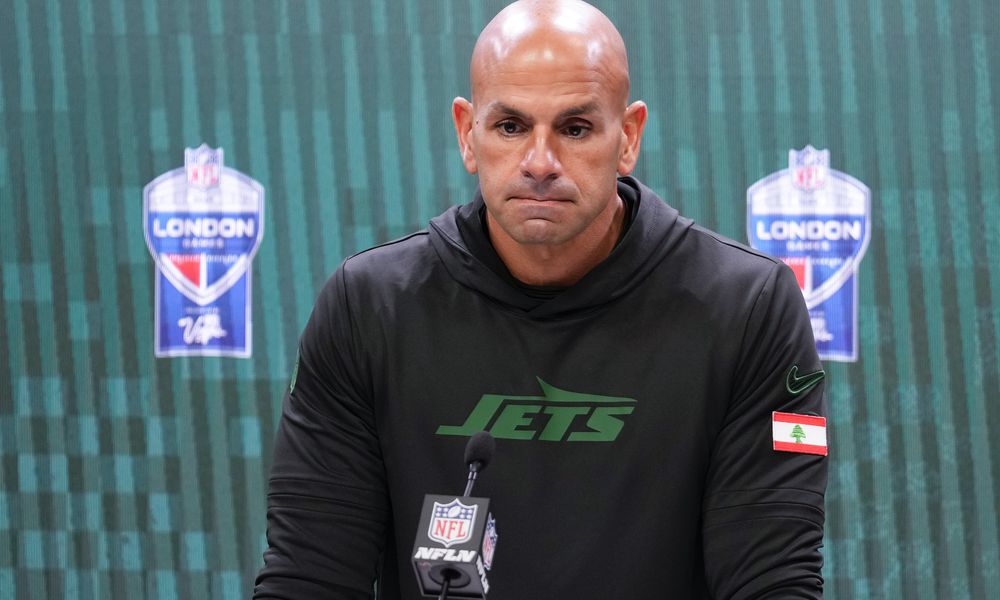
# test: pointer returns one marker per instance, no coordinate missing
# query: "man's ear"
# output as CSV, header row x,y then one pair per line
x,y
633,123
461,112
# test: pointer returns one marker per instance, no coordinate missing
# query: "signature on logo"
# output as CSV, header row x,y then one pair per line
x,y
820,332
202,330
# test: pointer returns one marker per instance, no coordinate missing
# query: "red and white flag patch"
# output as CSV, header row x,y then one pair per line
x,y
799,433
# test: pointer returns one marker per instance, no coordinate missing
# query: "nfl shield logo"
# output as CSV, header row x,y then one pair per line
x,y
818,221
203,166
452,523
809,168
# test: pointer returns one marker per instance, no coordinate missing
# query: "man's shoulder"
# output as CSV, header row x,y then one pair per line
x,y
388,254
381,272
720,269
692,257
395,263
672,233
729,255
402,267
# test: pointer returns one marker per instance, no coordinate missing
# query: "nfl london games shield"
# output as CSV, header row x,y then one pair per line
x,y
818,221
203,225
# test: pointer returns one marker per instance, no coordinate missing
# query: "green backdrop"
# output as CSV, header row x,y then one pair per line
x,y
126,476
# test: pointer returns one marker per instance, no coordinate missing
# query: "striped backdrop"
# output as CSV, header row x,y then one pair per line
x,y
124,476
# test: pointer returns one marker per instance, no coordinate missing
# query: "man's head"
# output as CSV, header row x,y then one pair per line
x,y
548,128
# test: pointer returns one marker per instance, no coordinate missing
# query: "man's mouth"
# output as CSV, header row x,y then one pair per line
x,y
532,198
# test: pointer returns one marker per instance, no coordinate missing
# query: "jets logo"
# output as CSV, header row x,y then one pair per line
x,y
555,416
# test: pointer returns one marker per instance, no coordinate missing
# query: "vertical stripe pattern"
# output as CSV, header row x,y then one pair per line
x,y
124,476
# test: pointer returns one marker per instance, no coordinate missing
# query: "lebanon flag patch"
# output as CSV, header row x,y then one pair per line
x,y
799,433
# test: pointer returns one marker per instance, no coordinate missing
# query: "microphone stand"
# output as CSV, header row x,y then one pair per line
x,y
473,471
478,454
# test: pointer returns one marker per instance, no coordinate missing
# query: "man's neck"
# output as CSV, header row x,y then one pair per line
x,y
560,265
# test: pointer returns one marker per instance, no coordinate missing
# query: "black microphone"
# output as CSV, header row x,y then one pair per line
x,y
478,454
457,536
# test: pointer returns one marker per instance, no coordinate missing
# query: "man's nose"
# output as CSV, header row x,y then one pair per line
x,y
540,162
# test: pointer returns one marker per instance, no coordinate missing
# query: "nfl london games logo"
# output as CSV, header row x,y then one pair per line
x,y
203,226
452,523
818,221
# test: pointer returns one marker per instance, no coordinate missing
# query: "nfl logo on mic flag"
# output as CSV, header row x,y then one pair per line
x,y
203,223
452,523
818,221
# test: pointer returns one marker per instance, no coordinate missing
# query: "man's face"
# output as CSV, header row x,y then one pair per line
x,y
548,133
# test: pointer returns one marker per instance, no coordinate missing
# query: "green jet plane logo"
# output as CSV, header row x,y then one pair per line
x,y
555,416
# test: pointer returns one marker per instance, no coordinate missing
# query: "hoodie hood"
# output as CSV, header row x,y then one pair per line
x,y
655,229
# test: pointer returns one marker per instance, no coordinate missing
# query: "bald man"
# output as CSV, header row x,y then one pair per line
x,y
653,387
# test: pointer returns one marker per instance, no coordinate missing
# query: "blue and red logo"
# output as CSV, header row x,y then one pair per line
x,y
203,226
818,221
452,523
489,542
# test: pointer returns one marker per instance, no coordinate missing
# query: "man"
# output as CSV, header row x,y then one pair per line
x,y
627,361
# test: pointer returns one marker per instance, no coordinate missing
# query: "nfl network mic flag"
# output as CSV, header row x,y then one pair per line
x,y
456,538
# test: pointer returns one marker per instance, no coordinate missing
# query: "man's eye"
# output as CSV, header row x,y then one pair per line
x,y
508,128
576,131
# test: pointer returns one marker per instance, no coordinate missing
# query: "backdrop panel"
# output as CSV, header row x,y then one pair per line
x,y
127,476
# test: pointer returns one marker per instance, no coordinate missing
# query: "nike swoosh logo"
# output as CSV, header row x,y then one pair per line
x,y
796,385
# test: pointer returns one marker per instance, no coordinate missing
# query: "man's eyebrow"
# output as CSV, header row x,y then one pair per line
x,y
576,111
499,108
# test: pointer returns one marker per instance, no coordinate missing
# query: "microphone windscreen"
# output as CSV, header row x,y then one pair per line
x,y
480,449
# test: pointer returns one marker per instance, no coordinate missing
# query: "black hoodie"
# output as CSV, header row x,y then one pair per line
x,y
632,411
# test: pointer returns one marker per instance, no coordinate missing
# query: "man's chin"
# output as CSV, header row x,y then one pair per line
x,y
540,232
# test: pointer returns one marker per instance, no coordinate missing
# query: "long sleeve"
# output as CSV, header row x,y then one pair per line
x,y
763,510
328,508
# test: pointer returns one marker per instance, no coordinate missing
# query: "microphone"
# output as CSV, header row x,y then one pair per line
x,y
478,454
457,536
